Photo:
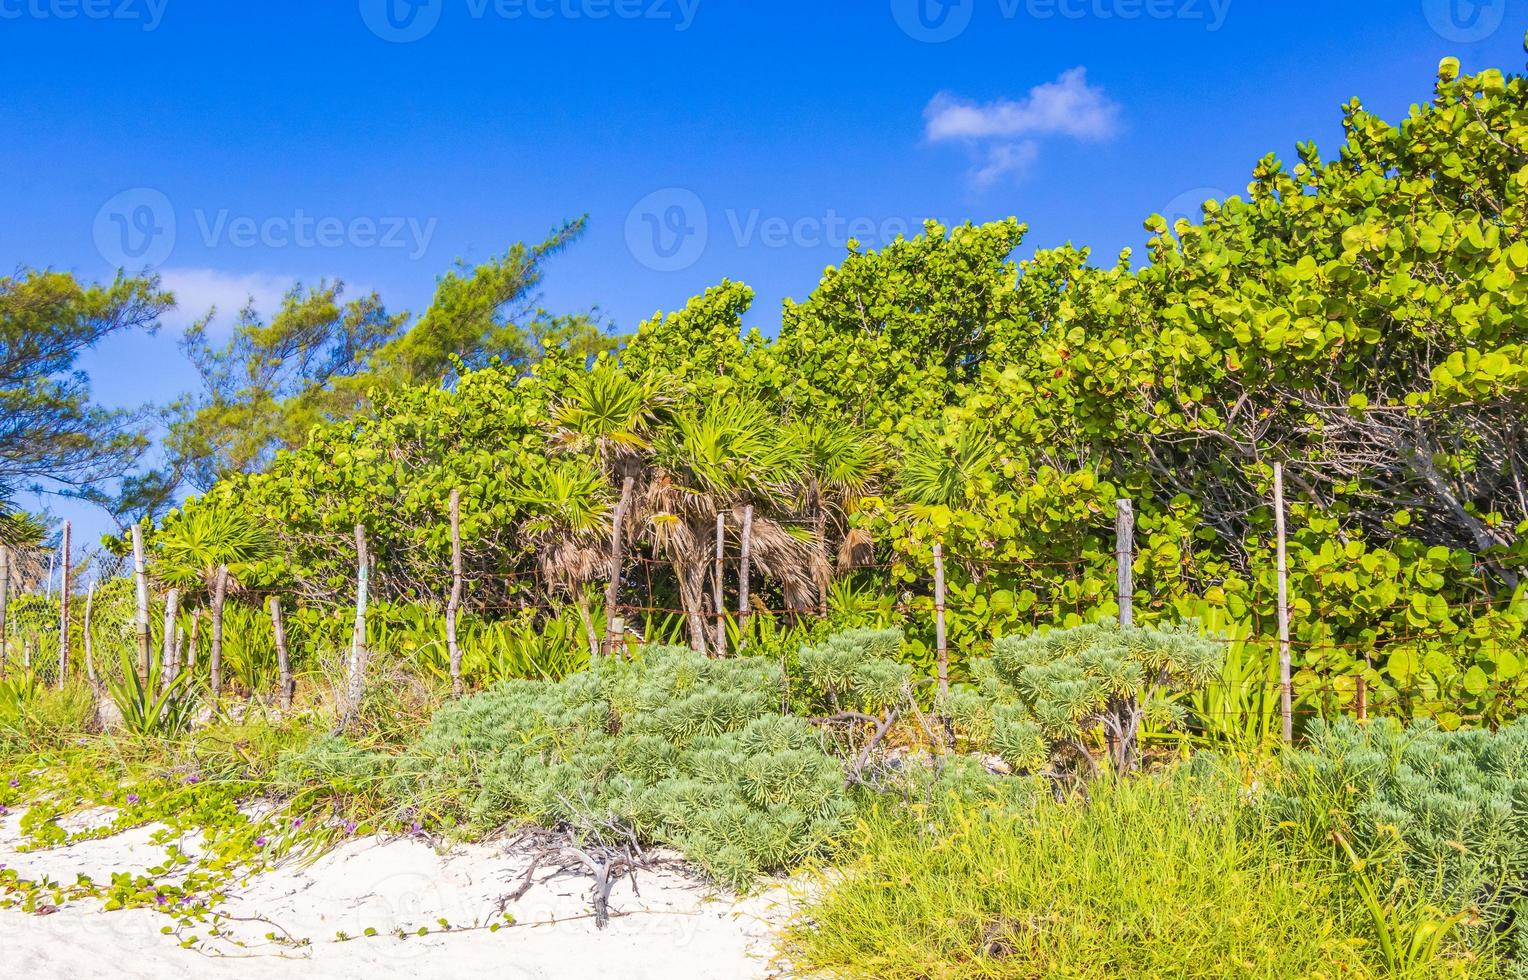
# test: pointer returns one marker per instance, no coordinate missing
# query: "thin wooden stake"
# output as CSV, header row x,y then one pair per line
x,y
745,569
1286,699
63,607
718,573
1124,559
613,620
283,657
141,622
357,685
90,672
454,604
940,644
167,669
215,659
5,602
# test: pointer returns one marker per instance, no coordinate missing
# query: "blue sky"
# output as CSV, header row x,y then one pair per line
x,y
378,141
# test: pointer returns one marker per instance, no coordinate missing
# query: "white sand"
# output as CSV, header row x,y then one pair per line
x,y
671,928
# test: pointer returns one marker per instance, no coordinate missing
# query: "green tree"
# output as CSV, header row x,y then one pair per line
x,y
51,432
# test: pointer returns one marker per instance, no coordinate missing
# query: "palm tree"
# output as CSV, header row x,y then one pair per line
x,y
936,471
844,464
567,525
721,459
609,414
211,550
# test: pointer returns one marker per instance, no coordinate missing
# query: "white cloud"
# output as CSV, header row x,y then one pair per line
x,y
1003,160
1005,134
1069,106
198,290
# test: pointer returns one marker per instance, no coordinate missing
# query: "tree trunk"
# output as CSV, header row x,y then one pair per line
x,y
589,633
219,595
283,659
692,596
454,604
719,574
613,591
745,570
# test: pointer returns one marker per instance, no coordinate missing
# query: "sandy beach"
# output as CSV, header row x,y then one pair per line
x,y
667,925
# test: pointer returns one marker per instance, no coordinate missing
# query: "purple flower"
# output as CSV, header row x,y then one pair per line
x,y
4,812
261,841
350,827
132,798
160,900
417,829
193,779
297,823
15,784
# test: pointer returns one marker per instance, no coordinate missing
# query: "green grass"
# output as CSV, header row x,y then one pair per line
x,y
1158,877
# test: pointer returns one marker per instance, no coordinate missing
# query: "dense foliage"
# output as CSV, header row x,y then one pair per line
x,y
1357,318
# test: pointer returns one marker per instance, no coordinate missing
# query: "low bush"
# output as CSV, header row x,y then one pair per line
x,y
675,749
1048,692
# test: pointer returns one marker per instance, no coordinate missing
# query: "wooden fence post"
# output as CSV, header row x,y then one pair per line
x,y
283,657
1286,700
357,686
5,601
141,621
90,672
454,604
215,657
719,574
167,657
1124,559
613,622
941,645
63,606
745,569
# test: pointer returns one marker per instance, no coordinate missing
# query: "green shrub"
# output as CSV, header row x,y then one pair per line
x,y
1433,823
1155,877
857,669
1047,691
674,749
